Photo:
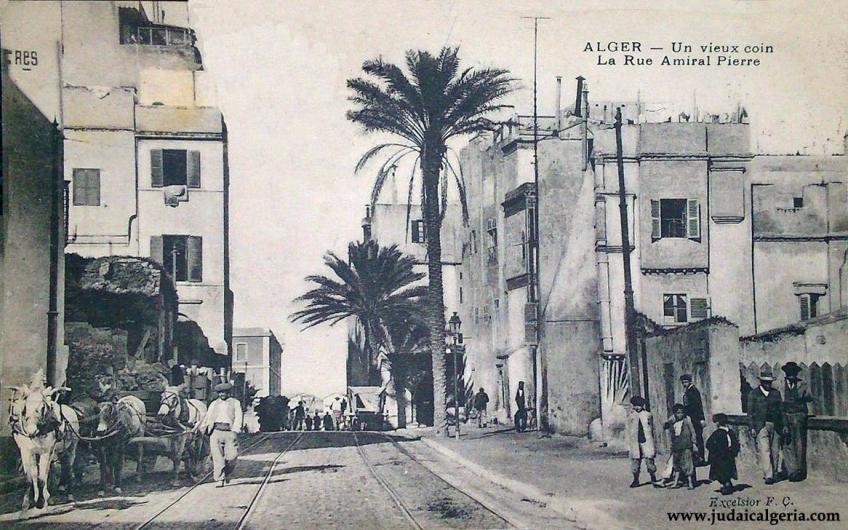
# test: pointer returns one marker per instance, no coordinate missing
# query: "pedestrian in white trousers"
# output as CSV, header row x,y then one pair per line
x,y
222,423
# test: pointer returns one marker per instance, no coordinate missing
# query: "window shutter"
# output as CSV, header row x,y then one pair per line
x,y
195,258
156,250
156,178
655,220
80,195
693,225
805,306
416,232
93,187
193,169
700,308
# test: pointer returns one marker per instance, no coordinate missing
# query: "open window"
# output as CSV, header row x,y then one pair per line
x,y
174,167
675,309
181,256
675,218
419,234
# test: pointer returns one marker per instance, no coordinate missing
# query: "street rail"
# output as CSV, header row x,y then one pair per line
x,y
392,493
252,503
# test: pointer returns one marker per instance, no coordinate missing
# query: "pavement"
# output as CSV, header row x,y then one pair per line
x,y
589,485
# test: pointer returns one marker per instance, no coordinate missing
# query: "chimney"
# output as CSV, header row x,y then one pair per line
x,y
578,102
559,103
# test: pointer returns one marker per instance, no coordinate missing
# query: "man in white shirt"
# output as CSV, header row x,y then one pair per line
x,y
223,420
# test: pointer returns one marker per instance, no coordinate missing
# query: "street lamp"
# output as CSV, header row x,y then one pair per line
x,y
454,326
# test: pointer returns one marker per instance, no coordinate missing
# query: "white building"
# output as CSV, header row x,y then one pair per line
x,y
145,154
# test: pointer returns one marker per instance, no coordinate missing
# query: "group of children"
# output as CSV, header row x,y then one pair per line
x,y
723,447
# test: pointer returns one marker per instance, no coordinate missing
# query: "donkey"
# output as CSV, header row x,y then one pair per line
x,y
118,422
42,428
178,412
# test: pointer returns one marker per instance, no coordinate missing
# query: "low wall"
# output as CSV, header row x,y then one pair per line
x,y
709,350
827,445
820,340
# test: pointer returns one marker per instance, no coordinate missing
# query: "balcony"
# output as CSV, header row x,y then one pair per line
x,y
157,36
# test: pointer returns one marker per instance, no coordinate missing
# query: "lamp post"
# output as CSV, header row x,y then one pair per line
x,y
454,326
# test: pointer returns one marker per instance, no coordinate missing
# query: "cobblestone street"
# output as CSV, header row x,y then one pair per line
x,y
301,480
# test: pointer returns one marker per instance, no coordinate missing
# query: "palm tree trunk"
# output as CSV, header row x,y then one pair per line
x,y
431,164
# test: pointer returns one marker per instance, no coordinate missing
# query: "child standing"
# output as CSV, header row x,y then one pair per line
x,y
683,447
640,441
723,445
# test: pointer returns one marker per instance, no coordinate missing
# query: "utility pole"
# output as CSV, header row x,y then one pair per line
x,y
629,310
534,287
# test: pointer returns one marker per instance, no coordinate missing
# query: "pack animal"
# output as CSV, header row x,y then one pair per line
x,y
184,415
118,421
40,428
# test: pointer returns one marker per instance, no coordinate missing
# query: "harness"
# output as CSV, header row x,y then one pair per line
x,y
47,423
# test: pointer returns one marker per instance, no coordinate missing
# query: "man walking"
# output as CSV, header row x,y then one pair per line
x,y
299,415
765,416
694,408
336,407
794,434
481,402
223,420
521,405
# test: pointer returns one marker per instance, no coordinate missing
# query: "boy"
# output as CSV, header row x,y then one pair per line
x,y
683,447
723,446
640,441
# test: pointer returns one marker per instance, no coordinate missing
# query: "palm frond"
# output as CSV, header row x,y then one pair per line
x,y
374,151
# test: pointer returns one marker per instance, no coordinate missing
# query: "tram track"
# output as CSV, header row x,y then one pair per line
x,y
396,497
249,509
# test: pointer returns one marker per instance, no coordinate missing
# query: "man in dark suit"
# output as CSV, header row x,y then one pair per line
x,y
765,416
694,408
794,435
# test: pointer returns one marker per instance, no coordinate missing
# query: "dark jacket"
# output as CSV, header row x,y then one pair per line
x,y
762,409
520,400
692,405
795,399
481,399
723,447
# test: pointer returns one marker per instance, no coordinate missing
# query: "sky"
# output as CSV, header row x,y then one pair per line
x,y
279,70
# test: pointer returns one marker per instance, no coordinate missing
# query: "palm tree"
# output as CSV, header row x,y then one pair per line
x,y
406,346
433,104
375,285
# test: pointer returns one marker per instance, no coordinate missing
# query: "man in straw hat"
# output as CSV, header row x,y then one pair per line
x,y
223,420
765,416
794,436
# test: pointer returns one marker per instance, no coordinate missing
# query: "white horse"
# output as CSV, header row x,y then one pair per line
x,y
181,413
40,430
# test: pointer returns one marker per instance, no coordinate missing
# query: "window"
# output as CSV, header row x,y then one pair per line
x,y
797,202
460,295
181,256
674,308
809,306
474,241
419,235
492,242
675,218
524,249
86,187
174,167
241,353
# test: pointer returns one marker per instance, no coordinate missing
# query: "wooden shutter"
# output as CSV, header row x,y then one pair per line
x,y
193,169
156,249
93,187
700,308
416,231
194,247
805,306
656,232
156,177
80,194
693,218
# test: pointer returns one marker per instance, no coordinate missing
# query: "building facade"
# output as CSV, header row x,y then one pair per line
x,y
258,354
145,153
31,248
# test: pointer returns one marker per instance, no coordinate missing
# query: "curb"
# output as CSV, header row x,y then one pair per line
x,y
528,491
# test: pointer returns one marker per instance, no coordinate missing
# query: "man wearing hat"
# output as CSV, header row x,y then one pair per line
x,y
765,416
694,408
794,439
223,420
640,440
